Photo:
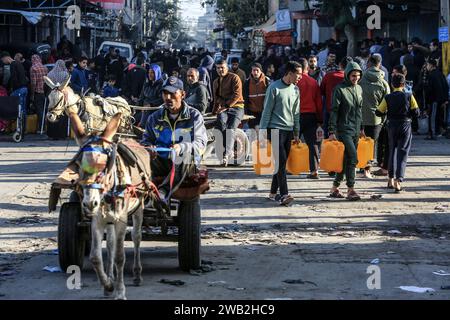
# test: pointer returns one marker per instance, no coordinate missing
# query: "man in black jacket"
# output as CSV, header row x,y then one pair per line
x,y
17,84
197,93
436,91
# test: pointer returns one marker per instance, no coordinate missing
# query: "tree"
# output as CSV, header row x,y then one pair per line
x,y
163,15
237,14
341,12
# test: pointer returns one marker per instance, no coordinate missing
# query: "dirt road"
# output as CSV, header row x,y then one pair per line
x,y
251,247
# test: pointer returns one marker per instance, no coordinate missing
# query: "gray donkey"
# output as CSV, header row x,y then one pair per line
x,y
110,192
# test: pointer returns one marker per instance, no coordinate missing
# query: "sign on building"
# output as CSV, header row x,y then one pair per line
x,y
283,18
110,4
443,34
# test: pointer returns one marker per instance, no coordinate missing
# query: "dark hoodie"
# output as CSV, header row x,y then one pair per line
x,y
204,70
346,109
151,93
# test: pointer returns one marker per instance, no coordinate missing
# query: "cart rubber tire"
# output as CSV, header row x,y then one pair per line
x,y
189,234
71,246
241,147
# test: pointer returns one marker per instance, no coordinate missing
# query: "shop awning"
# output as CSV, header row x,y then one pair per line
x,y
283,38
32,17
269,26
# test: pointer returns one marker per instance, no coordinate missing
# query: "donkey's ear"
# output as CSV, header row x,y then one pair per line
x,y
49,82
111,128
77,126
65,83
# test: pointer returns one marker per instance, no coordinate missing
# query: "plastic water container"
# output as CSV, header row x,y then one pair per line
x,y
365,151
263,163
298,160
332,156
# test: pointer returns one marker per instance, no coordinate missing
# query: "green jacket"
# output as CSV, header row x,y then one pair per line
x,y
346,115
375,88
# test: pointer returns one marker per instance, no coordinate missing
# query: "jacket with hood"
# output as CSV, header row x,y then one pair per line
x,y
152,92
375,88
346,109
204,71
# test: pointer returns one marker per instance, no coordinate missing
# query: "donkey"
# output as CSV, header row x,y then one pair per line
x,y
109,191
94,110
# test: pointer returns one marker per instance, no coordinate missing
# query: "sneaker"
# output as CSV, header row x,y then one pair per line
x,y
225,162
286,200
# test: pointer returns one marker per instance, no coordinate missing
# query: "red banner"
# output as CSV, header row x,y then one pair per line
x,y
110,4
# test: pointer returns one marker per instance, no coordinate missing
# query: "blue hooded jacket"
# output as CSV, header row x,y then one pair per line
x,y
157,70
205,74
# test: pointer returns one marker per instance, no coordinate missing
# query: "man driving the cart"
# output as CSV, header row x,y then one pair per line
x,y
176,138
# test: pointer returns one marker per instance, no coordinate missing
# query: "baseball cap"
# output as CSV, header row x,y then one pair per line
x,y
173,84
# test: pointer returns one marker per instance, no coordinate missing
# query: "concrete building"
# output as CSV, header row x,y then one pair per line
x,y
205,28
32,21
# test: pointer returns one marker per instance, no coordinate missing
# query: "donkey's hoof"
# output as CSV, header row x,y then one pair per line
x,y
121,297
108,293
108,289
137,282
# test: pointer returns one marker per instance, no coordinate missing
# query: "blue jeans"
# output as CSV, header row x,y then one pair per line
x,y
228,121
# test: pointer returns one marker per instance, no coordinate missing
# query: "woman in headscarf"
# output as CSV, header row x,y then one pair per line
x,y
151,95
59,73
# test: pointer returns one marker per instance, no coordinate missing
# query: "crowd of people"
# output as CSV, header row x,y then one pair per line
x,y
385,93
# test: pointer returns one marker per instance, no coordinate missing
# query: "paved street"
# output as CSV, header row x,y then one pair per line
x,y
250,244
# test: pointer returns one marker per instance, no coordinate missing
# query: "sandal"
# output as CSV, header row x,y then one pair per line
x,y
286,200
274,197
313,176
380,173
398,188
337,195
353,196
390,184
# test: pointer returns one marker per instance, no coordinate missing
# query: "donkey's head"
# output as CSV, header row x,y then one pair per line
x,y
58,99
96,163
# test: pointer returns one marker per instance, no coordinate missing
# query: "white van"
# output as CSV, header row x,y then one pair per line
x,y
125,49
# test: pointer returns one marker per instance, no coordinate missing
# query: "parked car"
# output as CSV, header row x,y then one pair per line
x,y
125,49
28,49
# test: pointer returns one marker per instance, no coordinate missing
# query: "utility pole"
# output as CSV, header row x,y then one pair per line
x,y
444,21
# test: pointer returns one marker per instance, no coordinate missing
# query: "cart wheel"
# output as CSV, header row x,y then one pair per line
x,y
189,234
17,137
241,148
71,245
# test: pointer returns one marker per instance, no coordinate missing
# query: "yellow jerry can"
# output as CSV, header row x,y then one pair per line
x,y
365,151
298,160
332,156
263,163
